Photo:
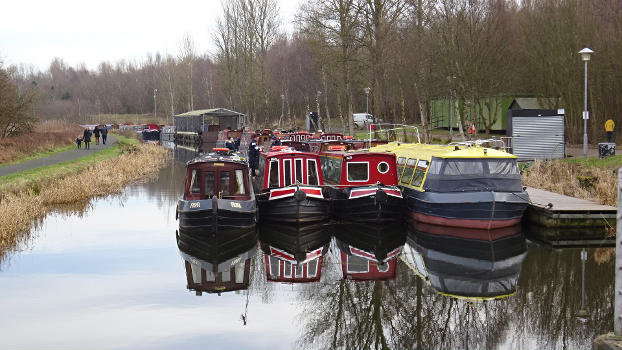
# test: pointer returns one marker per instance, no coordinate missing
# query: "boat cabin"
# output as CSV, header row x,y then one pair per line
x,y
331,136
321,146
358,169
220,176
202,276
359,265
282,266
301,146
287,167
299,136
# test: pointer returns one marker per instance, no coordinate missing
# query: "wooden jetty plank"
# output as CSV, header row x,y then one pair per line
x,y
541,199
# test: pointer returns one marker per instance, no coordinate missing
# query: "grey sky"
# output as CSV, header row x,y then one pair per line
x,y
89,32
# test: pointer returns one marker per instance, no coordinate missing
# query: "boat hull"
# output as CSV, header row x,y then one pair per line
x,y
478,210
292,210
213,215
371,208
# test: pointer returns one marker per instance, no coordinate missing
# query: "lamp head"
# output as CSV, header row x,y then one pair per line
x,y
367,90
586,53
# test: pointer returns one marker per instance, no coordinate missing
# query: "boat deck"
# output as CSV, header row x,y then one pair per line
x,y
563,220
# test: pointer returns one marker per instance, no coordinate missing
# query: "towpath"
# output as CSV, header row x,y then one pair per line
x,y
56,158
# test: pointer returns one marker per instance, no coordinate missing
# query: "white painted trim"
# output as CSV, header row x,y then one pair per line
x,y
290,172
317,175
302,164
388,167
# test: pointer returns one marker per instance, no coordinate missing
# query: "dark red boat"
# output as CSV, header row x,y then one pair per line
x,y
363,186
289,186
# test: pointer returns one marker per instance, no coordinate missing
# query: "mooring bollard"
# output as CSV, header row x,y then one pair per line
x,y
617,313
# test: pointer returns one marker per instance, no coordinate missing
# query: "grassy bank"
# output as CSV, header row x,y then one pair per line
x,y
101,174
48,137
592,178
37,178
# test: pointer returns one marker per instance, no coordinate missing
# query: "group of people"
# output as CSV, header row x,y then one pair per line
x,y
87,134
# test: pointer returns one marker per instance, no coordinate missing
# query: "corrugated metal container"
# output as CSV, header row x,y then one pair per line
x,y
537,136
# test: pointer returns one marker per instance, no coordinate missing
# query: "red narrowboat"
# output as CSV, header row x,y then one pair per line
x,y
321,146
369,252
362,186
289,186
218,194
294,253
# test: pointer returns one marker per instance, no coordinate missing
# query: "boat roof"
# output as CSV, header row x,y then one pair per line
x,y
233,157
288,151
425,151
355,153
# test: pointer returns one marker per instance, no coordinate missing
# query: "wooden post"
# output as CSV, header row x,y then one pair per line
x,y
617,313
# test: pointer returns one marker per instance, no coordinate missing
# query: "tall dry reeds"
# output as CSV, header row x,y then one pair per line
x,y
576,180
18,212
47,135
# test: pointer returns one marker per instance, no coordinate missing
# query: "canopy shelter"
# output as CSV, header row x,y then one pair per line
x,y
213,119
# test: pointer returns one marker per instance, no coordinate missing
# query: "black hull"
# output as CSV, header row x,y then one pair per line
x,y
483,210
211,219
290,210
216,247
294,238
376,239
369,209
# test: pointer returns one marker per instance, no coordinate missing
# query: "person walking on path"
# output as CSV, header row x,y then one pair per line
x,y
104,134
609,126
253,155
86,136
96,133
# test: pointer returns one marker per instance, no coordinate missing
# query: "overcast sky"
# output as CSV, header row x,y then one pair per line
x,y
36,31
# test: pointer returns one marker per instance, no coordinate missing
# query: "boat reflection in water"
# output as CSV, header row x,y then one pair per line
x,y
369,252
294,253
478,269
217,263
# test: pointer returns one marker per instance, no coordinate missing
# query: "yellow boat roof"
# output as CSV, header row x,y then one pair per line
x,y
424,151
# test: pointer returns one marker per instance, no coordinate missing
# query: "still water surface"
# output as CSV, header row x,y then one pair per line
x,y
113,276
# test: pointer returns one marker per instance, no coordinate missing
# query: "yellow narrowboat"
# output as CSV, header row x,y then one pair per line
x,y
459,185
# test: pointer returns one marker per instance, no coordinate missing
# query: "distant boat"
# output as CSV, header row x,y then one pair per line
x,y
218,194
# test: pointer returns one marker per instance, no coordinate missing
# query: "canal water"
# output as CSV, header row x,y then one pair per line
x,y
113,275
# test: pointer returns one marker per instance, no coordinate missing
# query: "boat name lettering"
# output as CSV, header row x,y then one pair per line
x,y
235,205
195,205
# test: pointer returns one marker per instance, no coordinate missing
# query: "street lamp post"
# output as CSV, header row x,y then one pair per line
x,y
585,56
367,90
155,104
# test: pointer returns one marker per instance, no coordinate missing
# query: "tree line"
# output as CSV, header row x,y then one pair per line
x,y
405,51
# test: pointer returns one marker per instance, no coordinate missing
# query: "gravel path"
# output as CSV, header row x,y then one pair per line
x,y
57,158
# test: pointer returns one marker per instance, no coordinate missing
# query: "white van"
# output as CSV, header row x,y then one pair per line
x,y
361,120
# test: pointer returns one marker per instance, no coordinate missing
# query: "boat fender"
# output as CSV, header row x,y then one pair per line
x,y
300,195
381,196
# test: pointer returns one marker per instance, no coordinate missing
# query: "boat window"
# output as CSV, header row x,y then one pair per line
x,y
312,177
407,175
502,166
287,171
195,185
225,189
287,269
331,169
411,162
435,166
239,182
209,184
274,266
260,171
298,164
273,177
422,165
383,167
358,171
312,268
400,165
463,167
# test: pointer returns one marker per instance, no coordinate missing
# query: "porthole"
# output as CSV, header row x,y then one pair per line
x,y
383,167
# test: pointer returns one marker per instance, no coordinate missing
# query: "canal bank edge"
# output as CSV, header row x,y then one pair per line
x,y
607,342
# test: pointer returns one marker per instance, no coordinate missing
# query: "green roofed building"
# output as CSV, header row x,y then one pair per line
x,y
204,120
497,105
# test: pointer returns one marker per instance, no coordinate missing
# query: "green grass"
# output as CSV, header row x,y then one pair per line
x,y
42,154
595,162
30,178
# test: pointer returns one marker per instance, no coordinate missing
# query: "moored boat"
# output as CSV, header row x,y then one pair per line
x,y
289,186
461,186
218,194
362,186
